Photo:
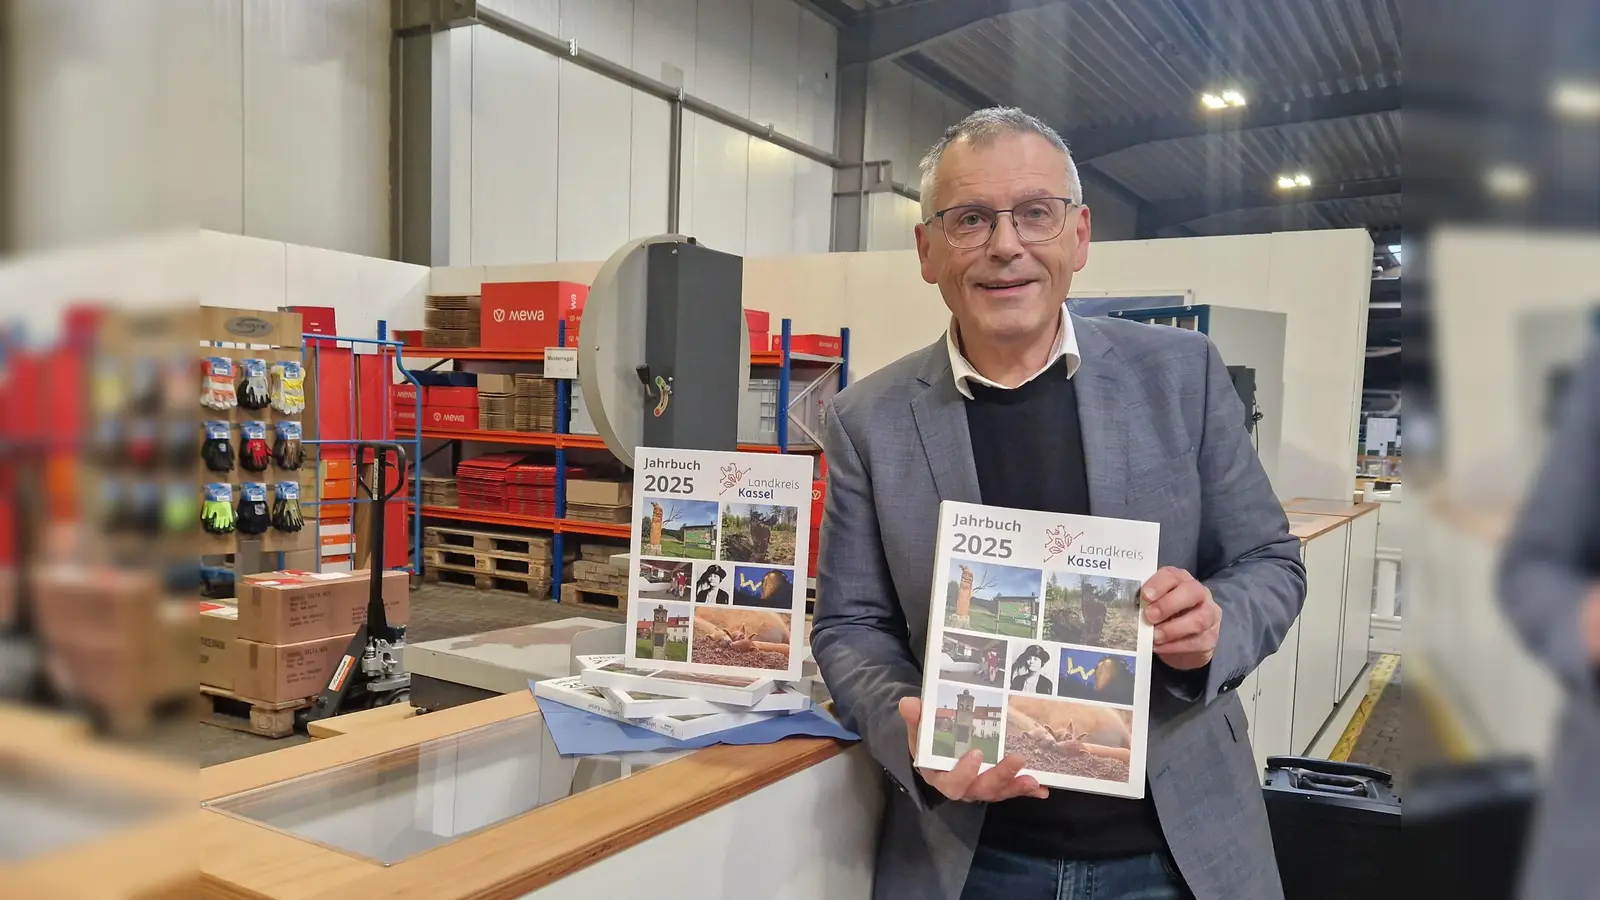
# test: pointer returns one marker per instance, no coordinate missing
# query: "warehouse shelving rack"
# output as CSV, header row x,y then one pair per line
x,y
562,440
310,348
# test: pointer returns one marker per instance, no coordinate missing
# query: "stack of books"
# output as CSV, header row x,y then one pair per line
x,y
679,705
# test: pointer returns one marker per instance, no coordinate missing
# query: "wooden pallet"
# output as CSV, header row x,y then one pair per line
x,y
493,562
527,546
444,573
575,593
226,709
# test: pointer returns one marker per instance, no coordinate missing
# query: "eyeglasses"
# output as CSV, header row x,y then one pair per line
x,y
1037,220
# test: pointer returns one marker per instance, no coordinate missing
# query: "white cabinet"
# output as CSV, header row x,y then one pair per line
x,y
1321,620
1272,729
1359,580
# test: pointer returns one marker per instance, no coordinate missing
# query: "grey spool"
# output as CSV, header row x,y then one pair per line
x,y
611,347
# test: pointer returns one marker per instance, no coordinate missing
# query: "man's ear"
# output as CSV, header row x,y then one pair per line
x,y
1081,258
930,270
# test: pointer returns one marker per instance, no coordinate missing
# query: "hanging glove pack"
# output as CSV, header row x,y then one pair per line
x,y
286,507
288,388
288,452
216,515
253,517
216,384
253,393
254,454
217,451
179,450
177,509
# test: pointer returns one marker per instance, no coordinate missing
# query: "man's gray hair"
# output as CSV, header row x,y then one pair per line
x,y
983,126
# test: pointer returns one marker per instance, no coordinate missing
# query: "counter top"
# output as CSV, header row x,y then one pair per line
x,y
568,827
1306,526
1341,508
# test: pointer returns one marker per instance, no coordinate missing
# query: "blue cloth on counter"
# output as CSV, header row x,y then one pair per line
x,y
578,732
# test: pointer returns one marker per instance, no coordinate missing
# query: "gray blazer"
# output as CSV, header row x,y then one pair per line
x,y
1164,441
1550,563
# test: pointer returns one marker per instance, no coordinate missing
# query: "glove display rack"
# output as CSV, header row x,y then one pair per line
x,y
243,438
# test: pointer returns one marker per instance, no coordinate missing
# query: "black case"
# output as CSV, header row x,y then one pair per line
x,y
1335,829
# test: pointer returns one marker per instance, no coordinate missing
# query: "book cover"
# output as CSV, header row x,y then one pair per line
x,y
734,690
1038,645
637,704
717,562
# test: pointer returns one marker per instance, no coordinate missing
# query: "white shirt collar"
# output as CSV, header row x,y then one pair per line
x,y
1066,345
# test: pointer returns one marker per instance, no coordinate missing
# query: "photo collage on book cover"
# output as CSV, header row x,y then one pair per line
x,y
1038,662
716,582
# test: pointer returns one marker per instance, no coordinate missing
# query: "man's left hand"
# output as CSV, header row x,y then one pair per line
x,y
1187,620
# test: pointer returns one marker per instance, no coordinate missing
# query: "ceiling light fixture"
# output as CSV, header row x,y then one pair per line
x,y
1576,100
1224,100
1297,180
1508,182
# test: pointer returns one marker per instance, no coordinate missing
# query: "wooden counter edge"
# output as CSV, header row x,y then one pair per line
x,y
540,847
1313,530
1311,506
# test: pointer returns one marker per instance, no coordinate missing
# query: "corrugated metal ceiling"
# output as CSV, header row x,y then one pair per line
x,y
1095,64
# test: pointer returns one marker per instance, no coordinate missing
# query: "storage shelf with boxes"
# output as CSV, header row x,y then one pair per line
x,y
523,409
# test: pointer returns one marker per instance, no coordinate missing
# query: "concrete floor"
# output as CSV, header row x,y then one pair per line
x,y
1379,743
437,611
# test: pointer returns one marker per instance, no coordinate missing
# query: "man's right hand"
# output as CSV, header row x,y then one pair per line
x,y
1589,619
964,782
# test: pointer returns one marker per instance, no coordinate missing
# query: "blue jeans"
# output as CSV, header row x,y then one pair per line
x,y
1000,875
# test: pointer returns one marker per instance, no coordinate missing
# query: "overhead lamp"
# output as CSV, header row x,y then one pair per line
x,y
1576,100
1297,180
1508,182
1224,100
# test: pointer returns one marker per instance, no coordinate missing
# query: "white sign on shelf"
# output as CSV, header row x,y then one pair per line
x,y
718,543
1038,645
1382,433
561,362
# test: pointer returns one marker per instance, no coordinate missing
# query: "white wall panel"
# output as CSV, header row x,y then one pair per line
x,y
200,114
313,171
721,160
515,110
596,161
889,97
770,227
722,53
775,69
566,165
818,88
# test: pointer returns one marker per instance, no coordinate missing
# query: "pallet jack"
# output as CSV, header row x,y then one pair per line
x,y
372,672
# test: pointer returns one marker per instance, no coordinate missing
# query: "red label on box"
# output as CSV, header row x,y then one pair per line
x,y
522,315
462,397
406,394
458,417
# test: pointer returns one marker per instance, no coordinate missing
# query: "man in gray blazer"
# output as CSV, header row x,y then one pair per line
x,y
1022,405
1550,589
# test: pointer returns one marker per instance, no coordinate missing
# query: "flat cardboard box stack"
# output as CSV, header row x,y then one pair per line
x,y
219,627
595,572
453,321
439,492
610,502
292,627
535,403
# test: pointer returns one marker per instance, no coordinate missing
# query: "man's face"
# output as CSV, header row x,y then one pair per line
x,y
1007,289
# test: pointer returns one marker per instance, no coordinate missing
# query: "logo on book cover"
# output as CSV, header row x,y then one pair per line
x,y
1058,541
730,475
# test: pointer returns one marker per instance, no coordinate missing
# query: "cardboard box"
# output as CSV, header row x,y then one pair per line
x,y
522,315
405,420
275,673
758,320
460,418
760,341
815,344
315,319
496,383
338,469
461,397
219,621
599,493
338,488
405,395
289,607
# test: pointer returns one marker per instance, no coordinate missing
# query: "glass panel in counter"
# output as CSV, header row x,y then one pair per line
x,y
391,807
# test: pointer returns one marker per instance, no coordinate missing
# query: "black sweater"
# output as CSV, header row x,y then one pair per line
x,y
1029,452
